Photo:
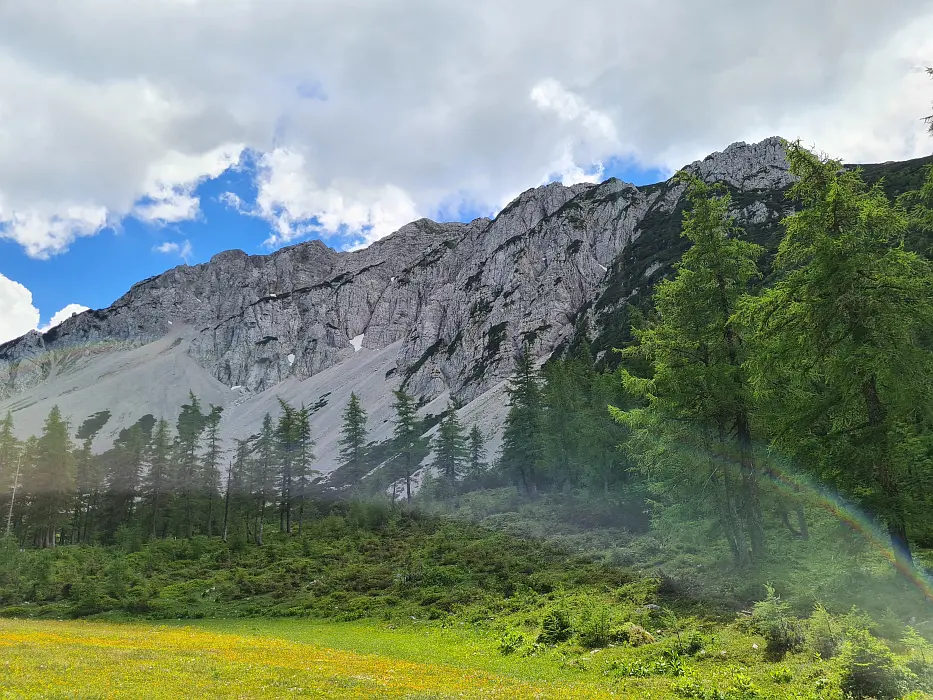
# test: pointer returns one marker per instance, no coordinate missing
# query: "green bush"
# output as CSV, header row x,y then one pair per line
x,y
869,669
772,619
556,627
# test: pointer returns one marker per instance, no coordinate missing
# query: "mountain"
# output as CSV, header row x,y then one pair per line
x,y
441,309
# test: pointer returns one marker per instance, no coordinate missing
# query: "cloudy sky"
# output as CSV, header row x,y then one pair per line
x,y
136,136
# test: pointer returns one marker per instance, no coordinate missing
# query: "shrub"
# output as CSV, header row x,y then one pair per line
x,y
868,669
510,642
556,627
596,627
637,636
825,635
772,619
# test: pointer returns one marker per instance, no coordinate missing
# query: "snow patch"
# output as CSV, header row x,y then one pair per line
x,y
357,342
170,323
601,267
291,358
235,388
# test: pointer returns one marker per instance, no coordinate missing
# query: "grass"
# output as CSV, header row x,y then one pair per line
x,y
263,658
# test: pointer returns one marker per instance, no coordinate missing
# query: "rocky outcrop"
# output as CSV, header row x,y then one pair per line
x,y
461,298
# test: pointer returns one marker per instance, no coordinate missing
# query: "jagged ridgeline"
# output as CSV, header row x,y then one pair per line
x,y
441,310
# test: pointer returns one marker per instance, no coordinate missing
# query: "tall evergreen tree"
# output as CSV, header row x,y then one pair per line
x,y
51,481
407,445
286,433
522,440
10,463
304,457
450,449
186,468
700,393
477,455
263,474
210,464
353,457
156,487
843,361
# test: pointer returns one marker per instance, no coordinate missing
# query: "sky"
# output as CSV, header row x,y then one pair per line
x,y
137,136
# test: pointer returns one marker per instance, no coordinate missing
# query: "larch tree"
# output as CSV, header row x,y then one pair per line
x,y
476,466
699,398
843,361
451,453
263,474
353,457
51,481
210,464
522,441
407,445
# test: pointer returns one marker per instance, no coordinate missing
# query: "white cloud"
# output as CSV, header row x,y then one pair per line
x,y
182,250
370,113
295,205
63,315
18,314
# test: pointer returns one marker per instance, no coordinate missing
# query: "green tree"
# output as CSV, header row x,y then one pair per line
x,y
286,433
451,453
51,481
477,455
263,474
522,440
210,464
407,444
699,394
156,485
842,359
186,469
11,452
304,457
353,457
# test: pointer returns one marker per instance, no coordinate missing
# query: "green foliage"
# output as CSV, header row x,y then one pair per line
x,y
556,626
868,669
773,620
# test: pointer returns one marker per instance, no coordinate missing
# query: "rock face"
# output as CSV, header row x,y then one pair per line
x,y
461,300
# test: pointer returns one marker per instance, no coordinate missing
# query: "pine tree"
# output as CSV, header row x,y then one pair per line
x,y
407,445
51,481
700,393
477,452
842,360
186,468
10,463
156,487
450,451
304,457
286,433
263,474
352,443
522,448
210,464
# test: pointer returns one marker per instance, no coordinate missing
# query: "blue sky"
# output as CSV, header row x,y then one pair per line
x,y
96,270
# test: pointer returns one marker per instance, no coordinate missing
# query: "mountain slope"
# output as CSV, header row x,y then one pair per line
x,y
442,309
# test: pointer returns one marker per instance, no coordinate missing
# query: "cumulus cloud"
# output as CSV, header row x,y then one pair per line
x,y
182,250
366,114
18,314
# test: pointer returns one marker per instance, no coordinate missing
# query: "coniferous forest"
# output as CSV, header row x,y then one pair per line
x,y
760,444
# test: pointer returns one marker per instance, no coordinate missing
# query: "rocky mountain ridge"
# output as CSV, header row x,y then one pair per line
x,y
442,309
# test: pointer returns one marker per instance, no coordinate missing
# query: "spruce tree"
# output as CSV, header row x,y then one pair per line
x,y
210,464
407,445
10,463
286,433
304,457
843,361
263,474
186,467
477,455
522,440
450,449
700,394
352,443
51,481
156,487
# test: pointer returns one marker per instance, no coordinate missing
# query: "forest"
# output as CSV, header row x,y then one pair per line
x,y
769,410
